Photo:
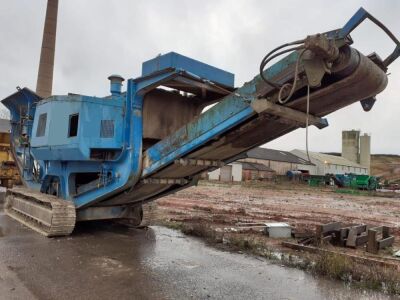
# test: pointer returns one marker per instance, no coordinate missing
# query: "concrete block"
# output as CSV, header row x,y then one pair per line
x,y
278,230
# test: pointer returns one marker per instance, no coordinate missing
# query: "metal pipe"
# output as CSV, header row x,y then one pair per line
x,y
115,84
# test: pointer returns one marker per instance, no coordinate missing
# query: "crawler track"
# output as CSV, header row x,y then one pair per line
x,y
46,214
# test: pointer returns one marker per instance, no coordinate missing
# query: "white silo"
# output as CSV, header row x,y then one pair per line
x,y
365,151
351,145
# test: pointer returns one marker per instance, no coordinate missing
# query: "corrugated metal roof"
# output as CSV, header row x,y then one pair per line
x,y
255,166
275,155
329,159
5,125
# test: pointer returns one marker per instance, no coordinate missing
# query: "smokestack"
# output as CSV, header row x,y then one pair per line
x,y
350,145
45,74
365,151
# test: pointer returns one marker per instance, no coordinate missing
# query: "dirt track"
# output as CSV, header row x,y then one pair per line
x,y
300,206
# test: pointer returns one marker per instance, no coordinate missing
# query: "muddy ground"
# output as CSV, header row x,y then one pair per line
x,y
218,207
300,206
104,260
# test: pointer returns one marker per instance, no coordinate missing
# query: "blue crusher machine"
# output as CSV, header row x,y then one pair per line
x,y
92,158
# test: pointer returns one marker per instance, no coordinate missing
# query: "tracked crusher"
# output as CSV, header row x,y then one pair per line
x,y
92,158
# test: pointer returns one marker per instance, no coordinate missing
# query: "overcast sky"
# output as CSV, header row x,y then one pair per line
x,y
97,38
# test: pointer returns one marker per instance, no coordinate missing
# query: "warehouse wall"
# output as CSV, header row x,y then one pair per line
x,y
322,168
235,169
257,175
312,170
279,167
214,175
237,172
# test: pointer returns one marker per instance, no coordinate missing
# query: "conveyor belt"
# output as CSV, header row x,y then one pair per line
x,y
365,81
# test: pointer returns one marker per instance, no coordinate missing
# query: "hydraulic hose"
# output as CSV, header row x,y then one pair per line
x,y
269,57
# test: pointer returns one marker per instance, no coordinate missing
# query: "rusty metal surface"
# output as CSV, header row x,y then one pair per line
x,y
157,124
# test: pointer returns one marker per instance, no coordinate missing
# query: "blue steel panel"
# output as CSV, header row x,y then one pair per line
x,y
278,67
178,61
56,145
129,164
354,21
358,18
136,99
20,102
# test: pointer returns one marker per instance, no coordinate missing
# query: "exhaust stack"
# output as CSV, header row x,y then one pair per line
x,y
115,84
46,66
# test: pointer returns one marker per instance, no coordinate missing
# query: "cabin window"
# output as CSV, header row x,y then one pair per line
x,y
73,125
41,128
107,129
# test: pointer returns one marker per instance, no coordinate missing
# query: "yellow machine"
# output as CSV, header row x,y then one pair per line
x,y
8,170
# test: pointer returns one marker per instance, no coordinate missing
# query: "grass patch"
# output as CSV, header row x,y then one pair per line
x,y
373,277
353,192
171,224
333,265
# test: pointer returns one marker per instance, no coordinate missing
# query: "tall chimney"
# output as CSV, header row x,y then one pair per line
x,y
45,74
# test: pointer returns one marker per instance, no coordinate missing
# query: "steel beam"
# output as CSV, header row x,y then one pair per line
x,y
265,106
180,181
199,162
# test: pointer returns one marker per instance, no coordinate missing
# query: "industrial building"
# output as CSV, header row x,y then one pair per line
x,y
330,164
230,172
278,161
242,171
260,164
355,158
256,171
